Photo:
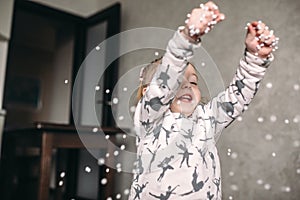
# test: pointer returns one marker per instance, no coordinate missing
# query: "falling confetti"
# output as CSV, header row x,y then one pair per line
x,y
132,109
234,187
60,183
97,88
234,155
285,189
269,85
239,119
101,161
296,119
95,130
296,143
88,169
118,165
103,181
118,196
126,191
228,152
260,119
62,174
116,153
268,137
115,100
259,182
267,186
122,147
273,118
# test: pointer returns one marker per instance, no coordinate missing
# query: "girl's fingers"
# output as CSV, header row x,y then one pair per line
x,y
201,20
251,30
211,6
260,39
214,11
260,28
220,17
267,38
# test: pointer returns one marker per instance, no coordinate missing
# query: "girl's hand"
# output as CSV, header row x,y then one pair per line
x,y
260,41
202,20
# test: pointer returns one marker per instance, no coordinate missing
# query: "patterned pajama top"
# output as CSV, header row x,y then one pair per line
x,y
176,155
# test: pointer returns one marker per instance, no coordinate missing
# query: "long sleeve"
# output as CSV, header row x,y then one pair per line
x,y
231,103
165,83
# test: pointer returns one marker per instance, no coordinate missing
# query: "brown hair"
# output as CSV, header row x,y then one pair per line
x,y
146,76
147,73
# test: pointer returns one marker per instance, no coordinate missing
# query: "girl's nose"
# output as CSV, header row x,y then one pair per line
x,y
186,84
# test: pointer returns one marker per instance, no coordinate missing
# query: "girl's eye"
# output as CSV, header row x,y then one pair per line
x,y
194,83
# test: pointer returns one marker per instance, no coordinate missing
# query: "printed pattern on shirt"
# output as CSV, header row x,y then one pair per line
x,y
177,155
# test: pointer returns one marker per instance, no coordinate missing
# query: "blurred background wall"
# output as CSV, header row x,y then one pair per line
x,y
260,152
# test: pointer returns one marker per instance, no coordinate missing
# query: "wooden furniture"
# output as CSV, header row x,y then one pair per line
x,y
53,136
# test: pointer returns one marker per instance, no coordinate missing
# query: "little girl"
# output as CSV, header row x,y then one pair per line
x,y
177,155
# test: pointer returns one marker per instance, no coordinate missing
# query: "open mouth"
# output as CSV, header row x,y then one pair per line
x,y
186,98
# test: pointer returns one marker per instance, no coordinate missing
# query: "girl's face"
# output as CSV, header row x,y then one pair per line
x,y
188,95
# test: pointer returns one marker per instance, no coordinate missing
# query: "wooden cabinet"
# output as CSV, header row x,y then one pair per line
x,y
29,178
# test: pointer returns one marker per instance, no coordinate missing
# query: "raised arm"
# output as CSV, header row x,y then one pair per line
x,y
169,74
228,105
